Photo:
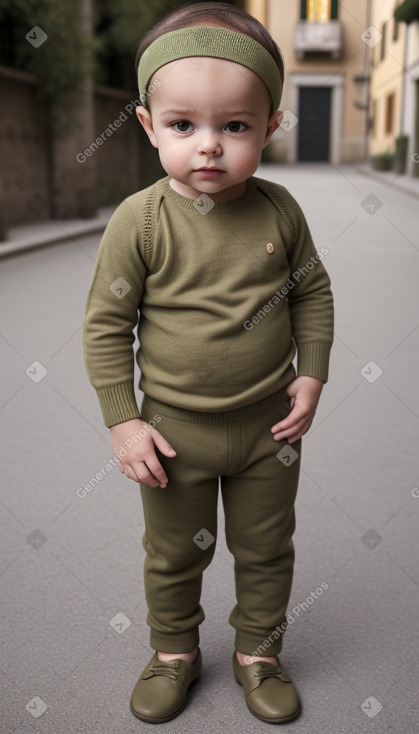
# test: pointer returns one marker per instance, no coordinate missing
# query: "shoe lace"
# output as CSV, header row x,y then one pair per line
x,y
165,669
263,672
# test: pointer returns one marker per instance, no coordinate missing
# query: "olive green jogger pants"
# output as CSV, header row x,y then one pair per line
x,y
258,490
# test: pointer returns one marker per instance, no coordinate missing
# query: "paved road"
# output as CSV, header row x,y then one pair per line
x,y
74,638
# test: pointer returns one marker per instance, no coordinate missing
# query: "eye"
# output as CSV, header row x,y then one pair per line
x,y
235,127
182,126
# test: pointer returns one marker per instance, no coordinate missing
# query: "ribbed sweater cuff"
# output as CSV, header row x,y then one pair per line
x,y
313,360
118,403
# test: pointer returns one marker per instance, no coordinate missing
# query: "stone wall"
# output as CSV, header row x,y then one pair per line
x,y
105,159
24,188
117,145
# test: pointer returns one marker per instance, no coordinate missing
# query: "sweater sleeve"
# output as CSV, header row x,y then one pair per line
x,y
310,300
111,315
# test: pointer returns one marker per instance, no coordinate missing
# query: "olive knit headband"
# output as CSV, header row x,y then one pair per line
x,y
221,43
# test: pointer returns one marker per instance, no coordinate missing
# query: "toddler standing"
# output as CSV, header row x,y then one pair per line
x,y
219,271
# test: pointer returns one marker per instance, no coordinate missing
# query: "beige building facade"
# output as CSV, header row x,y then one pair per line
x,y
394,92
387,58
410,102
326,65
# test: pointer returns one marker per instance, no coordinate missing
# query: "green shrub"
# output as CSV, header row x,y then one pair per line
x,y
382,161
400,155
61,63
408,11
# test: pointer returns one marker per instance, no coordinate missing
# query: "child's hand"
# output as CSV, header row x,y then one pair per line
x,y
304,392
140,462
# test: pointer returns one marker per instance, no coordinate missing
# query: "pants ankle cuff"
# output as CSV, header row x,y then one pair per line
x,y
185,642
261,647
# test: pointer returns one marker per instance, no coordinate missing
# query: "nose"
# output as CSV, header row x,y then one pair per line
x,y
209,144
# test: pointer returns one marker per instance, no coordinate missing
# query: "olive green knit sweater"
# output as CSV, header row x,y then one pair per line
x,y
225,293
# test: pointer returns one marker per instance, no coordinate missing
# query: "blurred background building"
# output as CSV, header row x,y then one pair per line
x,y
69,138
394,87
325,119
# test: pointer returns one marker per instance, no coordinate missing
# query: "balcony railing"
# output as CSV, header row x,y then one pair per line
x,y
318,37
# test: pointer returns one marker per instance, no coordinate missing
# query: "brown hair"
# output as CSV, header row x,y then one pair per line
x,y
213,13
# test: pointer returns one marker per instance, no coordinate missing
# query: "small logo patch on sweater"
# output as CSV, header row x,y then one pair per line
x,y
270,248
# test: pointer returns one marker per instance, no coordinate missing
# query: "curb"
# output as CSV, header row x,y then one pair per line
x,y
10,248
406,188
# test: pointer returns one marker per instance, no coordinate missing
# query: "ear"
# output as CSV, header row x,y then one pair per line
x,y
273,124
147,123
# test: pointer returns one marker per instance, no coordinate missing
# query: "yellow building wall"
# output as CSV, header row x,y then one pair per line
x,y
259,10
386,77
280,18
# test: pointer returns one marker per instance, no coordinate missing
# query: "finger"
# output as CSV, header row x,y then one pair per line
x,y
285,435
151,472
129,473
283,425
291,437
299,432
298,427
292,418
162,444
156,469
144,475
295,438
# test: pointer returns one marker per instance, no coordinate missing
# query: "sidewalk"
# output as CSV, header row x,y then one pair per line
x,y
32,236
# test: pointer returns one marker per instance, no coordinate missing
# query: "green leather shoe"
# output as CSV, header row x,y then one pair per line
x,y
160,692
270,695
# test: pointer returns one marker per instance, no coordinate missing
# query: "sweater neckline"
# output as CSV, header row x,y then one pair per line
x,y
219,207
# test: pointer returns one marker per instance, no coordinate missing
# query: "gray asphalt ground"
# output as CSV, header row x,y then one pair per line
x,y
73,635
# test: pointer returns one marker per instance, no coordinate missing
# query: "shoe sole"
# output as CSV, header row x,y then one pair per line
x,y
169,717
282,720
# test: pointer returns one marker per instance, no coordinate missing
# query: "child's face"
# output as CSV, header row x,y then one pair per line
x,y
209,119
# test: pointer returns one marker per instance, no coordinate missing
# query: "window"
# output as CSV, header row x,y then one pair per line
x,y
374,118
389,119
383,41
319,10
7,44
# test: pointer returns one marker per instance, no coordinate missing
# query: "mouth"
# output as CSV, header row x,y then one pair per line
x,y
207,173
210,169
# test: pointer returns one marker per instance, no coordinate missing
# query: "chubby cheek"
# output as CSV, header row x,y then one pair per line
x,y
172,157
249,159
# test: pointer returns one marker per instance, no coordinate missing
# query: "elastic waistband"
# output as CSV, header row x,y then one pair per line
x,y
227,416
